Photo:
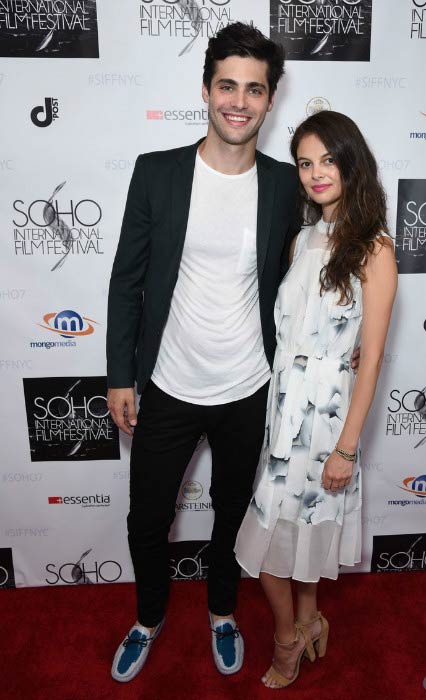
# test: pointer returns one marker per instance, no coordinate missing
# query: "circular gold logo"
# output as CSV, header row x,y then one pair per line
x,y
317,104
192,490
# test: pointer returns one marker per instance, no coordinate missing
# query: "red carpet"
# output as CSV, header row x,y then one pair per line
x,y
58,643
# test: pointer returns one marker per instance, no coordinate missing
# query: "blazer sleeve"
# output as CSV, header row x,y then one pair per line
x,y
295,225
125,298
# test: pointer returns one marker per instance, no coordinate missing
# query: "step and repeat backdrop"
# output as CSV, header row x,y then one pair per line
x,y
86,86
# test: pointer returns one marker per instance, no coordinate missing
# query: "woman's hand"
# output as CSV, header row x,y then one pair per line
x,y
337,472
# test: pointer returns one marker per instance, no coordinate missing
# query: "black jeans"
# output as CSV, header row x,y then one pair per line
x,y
164,440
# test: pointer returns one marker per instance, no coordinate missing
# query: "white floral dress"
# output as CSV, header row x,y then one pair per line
x,y
293,527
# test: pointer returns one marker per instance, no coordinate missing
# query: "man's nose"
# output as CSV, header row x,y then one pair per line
x,y
239,100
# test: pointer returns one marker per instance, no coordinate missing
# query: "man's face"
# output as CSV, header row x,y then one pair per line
x,y
238,99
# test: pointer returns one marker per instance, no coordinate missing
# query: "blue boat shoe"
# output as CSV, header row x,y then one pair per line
x,y
227,645
133,651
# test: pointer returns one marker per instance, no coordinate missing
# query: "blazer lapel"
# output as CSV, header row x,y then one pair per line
x,y
265,199
182,178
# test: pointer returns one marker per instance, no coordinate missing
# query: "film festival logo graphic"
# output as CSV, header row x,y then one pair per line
x,y
83,572
322,30
418,19
407,414
396,553
67,324
7,574
43,116
68,419
410,239
188,19
48,29
189,560
57,228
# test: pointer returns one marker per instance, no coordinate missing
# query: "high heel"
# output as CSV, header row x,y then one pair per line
x,y
307,650
319,642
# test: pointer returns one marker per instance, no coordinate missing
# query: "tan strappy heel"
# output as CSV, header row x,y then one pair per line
x,y
306,650
319,642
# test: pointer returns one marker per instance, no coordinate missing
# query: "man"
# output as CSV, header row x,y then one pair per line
x,y
203,248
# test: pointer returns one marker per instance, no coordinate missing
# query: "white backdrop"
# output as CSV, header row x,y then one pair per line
x,y
63,503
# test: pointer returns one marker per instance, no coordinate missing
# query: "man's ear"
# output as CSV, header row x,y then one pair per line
x,y
271,101
205,93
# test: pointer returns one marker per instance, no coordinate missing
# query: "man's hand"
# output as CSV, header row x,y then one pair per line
x,y
121,403
355,359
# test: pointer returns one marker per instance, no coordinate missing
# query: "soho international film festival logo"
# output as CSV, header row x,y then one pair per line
x,y
418,19
66,324
407,415
186,19
48,29
44,115
7,574
57,227
410,239
83,571
395,553
68,419
322,30
189,560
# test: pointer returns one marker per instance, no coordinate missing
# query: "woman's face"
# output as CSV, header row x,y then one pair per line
x,y
319,175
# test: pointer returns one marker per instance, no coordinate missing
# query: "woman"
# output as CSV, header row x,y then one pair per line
x,y
304,519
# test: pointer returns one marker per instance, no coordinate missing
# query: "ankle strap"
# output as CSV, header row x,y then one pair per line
x,y
289,645
318,616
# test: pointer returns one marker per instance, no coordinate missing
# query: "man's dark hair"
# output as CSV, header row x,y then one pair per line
x,y
240,39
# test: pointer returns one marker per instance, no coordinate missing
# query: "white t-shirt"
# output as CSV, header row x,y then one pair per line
x,y
212,350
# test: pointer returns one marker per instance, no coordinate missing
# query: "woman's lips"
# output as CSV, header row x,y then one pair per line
x,y
320,188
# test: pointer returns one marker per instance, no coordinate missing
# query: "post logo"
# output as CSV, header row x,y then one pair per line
x,y
415,485
44,115
68,323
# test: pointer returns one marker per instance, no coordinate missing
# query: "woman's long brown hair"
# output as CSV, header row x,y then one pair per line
x,y
361,210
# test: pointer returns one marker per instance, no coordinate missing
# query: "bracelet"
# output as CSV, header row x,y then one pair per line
x,y
346,455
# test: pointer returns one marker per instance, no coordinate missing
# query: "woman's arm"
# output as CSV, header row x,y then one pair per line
x,y
378,293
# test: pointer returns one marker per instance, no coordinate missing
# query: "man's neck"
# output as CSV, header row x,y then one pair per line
x,y
227,158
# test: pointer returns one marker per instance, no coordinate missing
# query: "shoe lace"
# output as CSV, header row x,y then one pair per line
x,y
143,642
234,633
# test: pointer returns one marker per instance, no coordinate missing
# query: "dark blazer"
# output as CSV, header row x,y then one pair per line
x,y
149,251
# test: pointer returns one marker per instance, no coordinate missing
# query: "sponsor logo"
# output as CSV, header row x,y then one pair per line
x,y
68,324
44,116
418,19
410,239
189,560
317,104
57,227
415,486
82,572
407,414
83,501
188,116
7,573
318,31
191,492
49,28
68,419
21,477
188,19
394,553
